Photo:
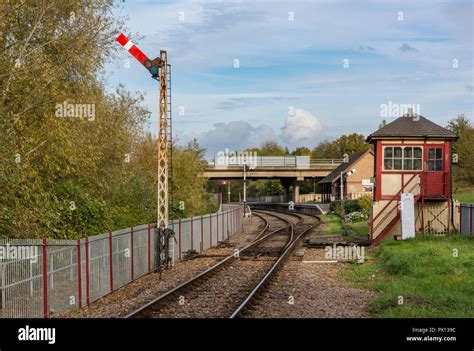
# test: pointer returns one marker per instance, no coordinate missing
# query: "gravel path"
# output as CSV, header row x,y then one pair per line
x,y
306,289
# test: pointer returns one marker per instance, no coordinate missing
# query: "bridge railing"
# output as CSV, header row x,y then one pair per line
x,y
303,162
325,162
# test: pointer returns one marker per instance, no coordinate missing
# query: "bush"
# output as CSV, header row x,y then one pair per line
x,y
351,206
336,208
355,217
365,203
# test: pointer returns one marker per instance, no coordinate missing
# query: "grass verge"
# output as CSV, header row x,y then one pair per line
x,y
359,228
331,224
465,197
425,272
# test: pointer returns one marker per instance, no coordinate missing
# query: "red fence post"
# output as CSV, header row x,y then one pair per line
x,y
223,230
79,281
111,263
131,252
227,226
217,228
149,248
202,235
179,238
192,234
210,229
87,271
45,280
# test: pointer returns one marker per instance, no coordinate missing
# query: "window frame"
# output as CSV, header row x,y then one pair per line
x,y
402,158
435,159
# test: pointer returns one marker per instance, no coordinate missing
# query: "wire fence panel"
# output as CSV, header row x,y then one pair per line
x,y
466,219
121,258
141,251
62,276
21,283
205,232
40,277
213,233
185,236
99,267
196,234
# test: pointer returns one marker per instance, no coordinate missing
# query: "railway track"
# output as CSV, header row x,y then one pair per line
x,y
228,287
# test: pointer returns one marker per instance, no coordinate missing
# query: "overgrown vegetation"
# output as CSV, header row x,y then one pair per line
x,y
427,276
65,177
361,205
331,225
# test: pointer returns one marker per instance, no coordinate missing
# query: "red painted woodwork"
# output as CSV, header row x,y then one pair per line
x,y
435,183
434,167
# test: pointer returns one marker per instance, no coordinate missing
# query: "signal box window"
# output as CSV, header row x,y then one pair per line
x,y
435,159
407,158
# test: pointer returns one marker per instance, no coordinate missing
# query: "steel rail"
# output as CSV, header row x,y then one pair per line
x,y
258,240
277,264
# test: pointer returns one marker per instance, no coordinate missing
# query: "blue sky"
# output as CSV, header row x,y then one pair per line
x,y
291,85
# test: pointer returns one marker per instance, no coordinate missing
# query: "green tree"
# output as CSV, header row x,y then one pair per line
x,y
271,148
463,171
345,144
301,151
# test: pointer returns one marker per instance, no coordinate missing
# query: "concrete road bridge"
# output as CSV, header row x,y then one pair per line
x,y
290,170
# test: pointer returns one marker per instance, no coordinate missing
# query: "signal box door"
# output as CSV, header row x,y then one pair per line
x,y
434,170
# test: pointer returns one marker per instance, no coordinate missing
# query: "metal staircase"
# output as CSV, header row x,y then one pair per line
x,y
389,216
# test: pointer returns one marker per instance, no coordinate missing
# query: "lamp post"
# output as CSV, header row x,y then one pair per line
x,y
348,174
245,186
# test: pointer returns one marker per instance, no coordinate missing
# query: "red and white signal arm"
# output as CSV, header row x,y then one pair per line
x,y
132,48
152,66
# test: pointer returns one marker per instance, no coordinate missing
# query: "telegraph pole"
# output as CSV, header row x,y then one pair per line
x,y
342,187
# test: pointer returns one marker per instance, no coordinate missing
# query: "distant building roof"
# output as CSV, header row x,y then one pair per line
x,y
412,126
336,173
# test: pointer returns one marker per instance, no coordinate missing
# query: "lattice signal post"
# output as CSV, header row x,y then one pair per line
x,y
160,70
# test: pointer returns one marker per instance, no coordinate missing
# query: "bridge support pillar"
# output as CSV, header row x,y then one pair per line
x,y
295,184
296,191
287,183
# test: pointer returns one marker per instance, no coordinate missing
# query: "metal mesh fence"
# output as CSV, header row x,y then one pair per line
x,y
466,219
41,277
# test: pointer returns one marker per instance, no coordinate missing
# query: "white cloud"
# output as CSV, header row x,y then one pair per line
x,y
301,128
235,135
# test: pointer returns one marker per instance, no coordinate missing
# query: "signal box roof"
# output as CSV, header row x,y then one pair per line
x,y
412,126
